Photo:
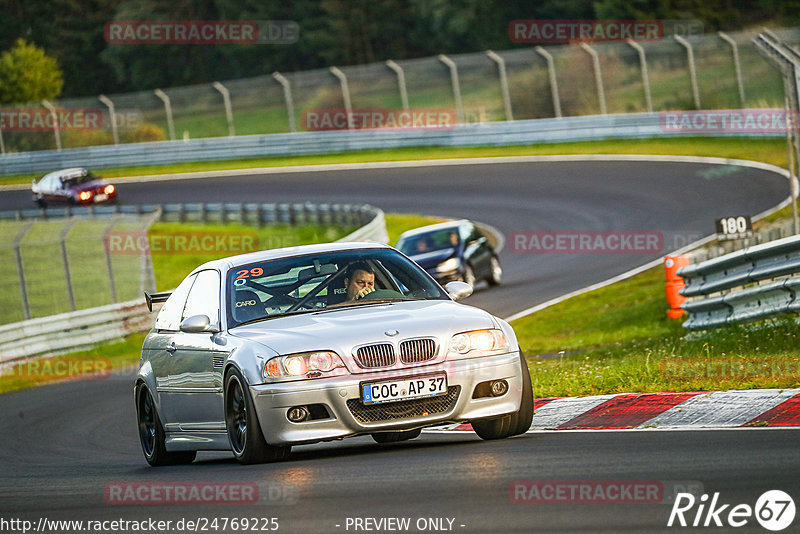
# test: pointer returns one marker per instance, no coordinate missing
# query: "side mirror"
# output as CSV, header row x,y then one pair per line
x,y
197,324
458,290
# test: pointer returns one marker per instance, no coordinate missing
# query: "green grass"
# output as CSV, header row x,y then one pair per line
x,y
767,150
617,339
170,269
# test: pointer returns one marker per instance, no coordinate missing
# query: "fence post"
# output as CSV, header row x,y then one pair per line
x,y
23,288
226,99
62,241
109,266
456,87
147,275
348,108
2,144
645,78
501,67
112,114
54,114
551,74
168,110
787,60
598,77
401,82
791,124
287,97
692,71
736,65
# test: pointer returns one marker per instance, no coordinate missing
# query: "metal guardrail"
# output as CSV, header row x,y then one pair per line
x,y
220,212
66,332
777,263
520,132
46,336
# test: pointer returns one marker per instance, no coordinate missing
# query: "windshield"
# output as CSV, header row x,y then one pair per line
x,y
429,242
275,288
79,179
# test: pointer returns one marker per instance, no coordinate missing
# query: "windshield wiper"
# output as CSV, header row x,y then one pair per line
x,y
275,316
362,302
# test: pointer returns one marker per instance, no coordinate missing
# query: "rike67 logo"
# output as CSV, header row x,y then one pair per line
x,y
774,510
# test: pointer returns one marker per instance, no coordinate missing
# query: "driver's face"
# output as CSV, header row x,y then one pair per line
x,y
360,281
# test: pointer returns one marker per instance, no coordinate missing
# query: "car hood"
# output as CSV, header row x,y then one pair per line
x,y
345,328
433,258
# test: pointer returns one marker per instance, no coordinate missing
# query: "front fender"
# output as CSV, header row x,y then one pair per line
x,y
511,336
249,361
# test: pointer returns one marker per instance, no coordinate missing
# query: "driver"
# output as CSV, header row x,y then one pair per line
x,y
359,280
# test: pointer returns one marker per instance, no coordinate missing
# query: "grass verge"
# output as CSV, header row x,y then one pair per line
x,y
767,150
617,339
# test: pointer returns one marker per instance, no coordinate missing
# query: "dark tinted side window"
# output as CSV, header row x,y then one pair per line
x,y
204,296
169,318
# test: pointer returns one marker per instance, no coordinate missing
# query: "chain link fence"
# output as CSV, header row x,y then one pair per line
x,y
56,266
725,72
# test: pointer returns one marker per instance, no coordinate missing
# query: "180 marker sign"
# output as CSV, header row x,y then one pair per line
x,y
737,227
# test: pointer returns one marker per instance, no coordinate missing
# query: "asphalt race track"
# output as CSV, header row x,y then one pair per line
x,y
63,445
678,199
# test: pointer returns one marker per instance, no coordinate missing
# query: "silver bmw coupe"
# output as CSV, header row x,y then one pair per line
x,y
262,351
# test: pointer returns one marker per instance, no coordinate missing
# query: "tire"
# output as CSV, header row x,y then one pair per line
x,y
394,437
40,201
151,433
524,417
496,272
515,423
469,275
241,422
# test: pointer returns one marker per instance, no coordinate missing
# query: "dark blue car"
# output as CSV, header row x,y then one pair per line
x,y
454,250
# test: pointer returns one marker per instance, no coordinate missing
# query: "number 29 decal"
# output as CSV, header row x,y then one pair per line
x,y
247,273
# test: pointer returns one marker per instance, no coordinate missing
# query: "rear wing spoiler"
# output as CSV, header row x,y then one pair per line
x,y
155,297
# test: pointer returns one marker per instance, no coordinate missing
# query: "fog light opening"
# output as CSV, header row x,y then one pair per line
x,y
499,388
298,414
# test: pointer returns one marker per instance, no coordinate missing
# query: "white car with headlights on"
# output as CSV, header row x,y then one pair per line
x,y
256,353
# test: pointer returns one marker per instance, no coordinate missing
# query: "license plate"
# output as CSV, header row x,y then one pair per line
x,y
404,389
100,197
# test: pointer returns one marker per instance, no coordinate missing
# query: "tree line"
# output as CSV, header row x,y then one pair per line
x,y
331,32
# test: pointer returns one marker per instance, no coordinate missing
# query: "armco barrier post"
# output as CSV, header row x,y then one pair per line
x,y
674,284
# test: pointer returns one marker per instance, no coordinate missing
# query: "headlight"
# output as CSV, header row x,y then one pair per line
x,y
481,341
305,365
108,189
448,265
85,195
